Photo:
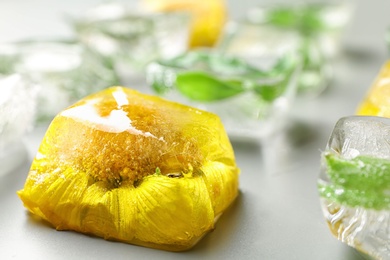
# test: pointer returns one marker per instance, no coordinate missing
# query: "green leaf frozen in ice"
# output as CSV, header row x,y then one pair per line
x,y
211,76
307,19
201,86
363,181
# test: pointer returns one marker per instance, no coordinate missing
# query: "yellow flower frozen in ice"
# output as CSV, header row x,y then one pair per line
x,y
134,168
208,17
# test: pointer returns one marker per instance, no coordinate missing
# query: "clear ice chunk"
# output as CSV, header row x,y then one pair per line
x,y
130,38
17,112
354,184
65,72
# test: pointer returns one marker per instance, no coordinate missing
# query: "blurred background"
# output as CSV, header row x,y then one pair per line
x,y
40,18
278,215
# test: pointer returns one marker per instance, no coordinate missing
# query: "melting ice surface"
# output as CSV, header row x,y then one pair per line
x,y
116,122
361,136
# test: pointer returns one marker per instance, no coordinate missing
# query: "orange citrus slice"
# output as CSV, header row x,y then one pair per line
x,y
208,17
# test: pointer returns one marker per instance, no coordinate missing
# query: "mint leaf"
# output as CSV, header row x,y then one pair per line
x,y
201,86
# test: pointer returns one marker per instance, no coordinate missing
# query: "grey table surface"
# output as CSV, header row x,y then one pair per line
x,y
276,216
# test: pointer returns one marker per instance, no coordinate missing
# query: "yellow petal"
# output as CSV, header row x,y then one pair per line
x,y
109,213
164,205
222,184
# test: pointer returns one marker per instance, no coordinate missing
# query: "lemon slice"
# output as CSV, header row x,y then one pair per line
x,y
377,99
134,168
208,17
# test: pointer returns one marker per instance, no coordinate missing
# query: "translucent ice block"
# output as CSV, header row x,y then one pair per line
x,y
250,41
354,184
323,20
245,39
320,25
17,112
250,96
131,38
65,71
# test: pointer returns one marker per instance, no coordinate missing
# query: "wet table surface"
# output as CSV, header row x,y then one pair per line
x,y
277,214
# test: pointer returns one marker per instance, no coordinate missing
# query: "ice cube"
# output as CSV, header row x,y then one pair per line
x,y
353,136
354,184
131,38
65,72
321,20
319,25
250,100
